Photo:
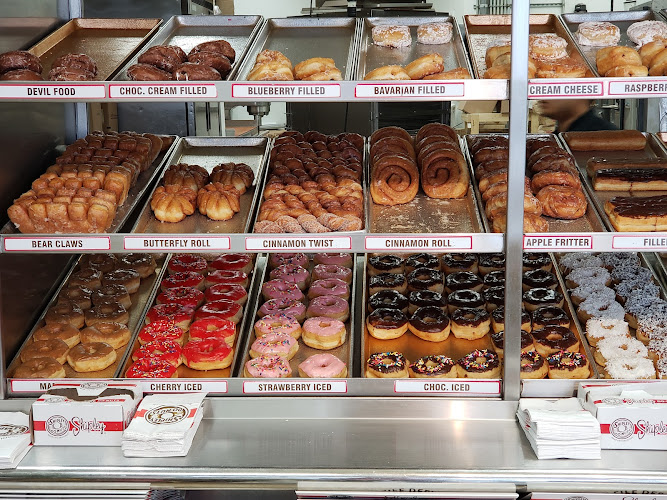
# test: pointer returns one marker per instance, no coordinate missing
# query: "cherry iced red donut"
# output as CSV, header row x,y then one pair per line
x,y
336,259
329,306
292,274
322,366
166,350
329,286
182,295
187,279
187,262
213,327
267,367
227,291
281,289
151,368
161,330
227,277
278,323
290,307
274,344
221,309
278,259
207,354
180,315
324,271
232,262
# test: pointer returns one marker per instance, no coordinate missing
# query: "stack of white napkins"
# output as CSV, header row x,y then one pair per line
x,y
15,438
560,429
163,426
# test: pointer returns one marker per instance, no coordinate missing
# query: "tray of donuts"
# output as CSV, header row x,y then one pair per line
x,y
208,185
552,51
86,329
412,48
624,173
304,320
554,199
420,184
195,318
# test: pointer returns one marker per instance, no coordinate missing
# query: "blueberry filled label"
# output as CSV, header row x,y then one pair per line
x,y
188,243
294,387
554,242
55,244
305,243
444,386
282,90
637,87
163,90
420,242
23,91
564,89
382,90
184,386
639,243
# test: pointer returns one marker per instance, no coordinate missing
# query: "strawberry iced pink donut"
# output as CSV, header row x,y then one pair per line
x,y
330,286
329,306
277,323
323,333
293,274
286,306
275,344
213,327
184,279
267,367
278,259
235,293
183,295
187,262
227,277
336,259
326,271
232,262
281,289
323,366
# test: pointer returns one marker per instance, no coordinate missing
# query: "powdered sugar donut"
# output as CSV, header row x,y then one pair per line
x,y
630,368
598,34
601,328
644,32
391,36
434,33
610,348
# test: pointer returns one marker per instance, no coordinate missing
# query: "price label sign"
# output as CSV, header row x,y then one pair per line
x,y
177,91
419,242
454,387
209,386
281,91
56,91
409,90
274,244
181,244
639,243
56,244
542,88
643,87
294,387
552,242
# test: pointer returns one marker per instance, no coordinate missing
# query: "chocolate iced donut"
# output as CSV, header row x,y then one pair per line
x,y
425,298
430,323
550,315
538,297
388,298
498,320
465,298
494,297
539,278
76,61
536,261
386,324
386,264
463,280
498,339
553,338
490,262
454,262
427,260
494,278
426,279
387,281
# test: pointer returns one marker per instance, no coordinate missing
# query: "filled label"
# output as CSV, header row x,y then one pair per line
x,y
638,87
163,90
189,243
639,243
58,91
176,385
398,90
556,242
540,88
56,243
444,386
303,243
283,90
295,387
419,242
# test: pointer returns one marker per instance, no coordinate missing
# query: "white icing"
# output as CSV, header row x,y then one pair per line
x,y
645,32
630,368
399,36
598,34
599,308
606,327
621,347
434,33
589,275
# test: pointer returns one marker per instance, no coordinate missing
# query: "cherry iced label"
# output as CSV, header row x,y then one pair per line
x,y
182,385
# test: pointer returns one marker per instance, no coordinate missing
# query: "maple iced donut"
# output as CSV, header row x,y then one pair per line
x,y
281,289
323,365
387,365
278,259
151,368
161,330
90,278
221,309
292,274
91,357
165,350
207,354
324,271
323,333
127,277
65,332
381,264
227,277
227,291
388,298
115,334
107,312
289,307
386,324
274,344
182,295
54,348
180,315
331,286
335,259
65,312
433,366
40,368
187,262
232,262
111,294
142,263
329,306
480,363
278,323
213,327
267,367
78,294
103,262
184,279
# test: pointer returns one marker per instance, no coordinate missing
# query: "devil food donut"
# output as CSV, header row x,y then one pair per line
x,y
54,348
430,323
387,365
323,333
164,350
91,357
480,363
151,367
115,334
207,354
18,60
40,368
322,366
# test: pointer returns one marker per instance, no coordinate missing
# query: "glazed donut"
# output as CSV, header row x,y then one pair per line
x,y
91,357
330,286
553,338
54,348
107,294
433,366
235,293
547,46
274,344
480,363
634,70
78,294
498,320
188,279
151,367
423,66
646,31
280,289
267,367
40,368
462,280
329,306
207,354
386,324
323,333
597,34
562,202
115,334
165,329
185,296
430,324
105,312
539,297
533,366
278,323
213,327
288,307
221,309
126,277
470,324
65,312
387,365
322,366
611,57
394,36
387,73
567,364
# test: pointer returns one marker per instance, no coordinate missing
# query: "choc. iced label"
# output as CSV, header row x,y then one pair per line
x,y
444,386
295,387
56,244
53,91
301,243
640,86
409,90
163,90
171,243
419,242
542,243
283,90
558,88
639,242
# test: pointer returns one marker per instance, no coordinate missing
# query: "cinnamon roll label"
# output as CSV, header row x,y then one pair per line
x,y
187,243
639,243
294,387
409,90
50,91
448,387
557,242
639,87
559,88
302,243
193,91
419,242
56,244
280,91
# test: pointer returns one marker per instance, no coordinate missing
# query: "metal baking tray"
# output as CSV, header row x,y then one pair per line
x,y
372,56
109,42
22,32
188,31
590,222
300,38
183,371
135,194
621,19
483,31
344,352
654,149
137,312
424,214
208,152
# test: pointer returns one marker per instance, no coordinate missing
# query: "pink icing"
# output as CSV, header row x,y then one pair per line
x,y
322,366
277,323
330,286
268,367
325,271
285,306
281,289
274,344
323,326
338,259
278,259
328,306
293,274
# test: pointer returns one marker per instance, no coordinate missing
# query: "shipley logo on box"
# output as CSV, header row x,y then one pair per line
x,y
622,429
645,427
59,426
